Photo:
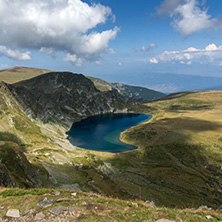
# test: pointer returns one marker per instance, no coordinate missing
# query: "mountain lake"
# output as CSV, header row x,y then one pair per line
x,y
102,132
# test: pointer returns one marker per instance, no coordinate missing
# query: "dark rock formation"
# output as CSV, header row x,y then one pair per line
x,y
66,97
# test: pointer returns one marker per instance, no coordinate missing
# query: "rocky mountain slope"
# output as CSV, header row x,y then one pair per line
x,y
128,92
66,97
140,94
16,132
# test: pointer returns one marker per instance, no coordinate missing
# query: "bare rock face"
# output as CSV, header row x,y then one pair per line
x,y
5,179
65,97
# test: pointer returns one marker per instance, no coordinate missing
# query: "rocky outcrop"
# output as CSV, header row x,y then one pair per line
x,y
136,93
66,97
5,179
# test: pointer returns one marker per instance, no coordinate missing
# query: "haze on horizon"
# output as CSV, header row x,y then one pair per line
x,y
141,43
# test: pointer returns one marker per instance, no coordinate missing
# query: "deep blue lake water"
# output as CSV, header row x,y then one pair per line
x,y
102,132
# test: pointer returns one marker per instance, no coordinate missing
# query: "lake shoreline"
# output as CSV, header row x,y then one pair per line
x,y
102,133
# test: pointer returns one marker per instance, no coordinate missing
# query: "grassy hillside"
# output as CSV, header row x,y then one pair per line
x,y
92,207
100,84
180,155
16,74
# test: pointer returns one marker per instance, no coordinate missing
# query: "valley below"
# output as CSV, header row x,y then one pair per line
x,y
177,163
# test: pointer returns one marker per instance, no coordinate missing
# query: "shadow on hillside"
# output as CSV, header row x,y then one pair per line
x,y
174,96
168,169
186,123
10,137
15,167
178,108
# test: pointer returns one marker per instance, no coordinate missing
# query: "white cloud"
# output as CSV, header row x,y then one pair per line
x,y
212,47
210,54
153,60
188,16
189,63
14,54
48,51
120,63
148,48
73,59
4,65
56,26
168,6
145,48
186,63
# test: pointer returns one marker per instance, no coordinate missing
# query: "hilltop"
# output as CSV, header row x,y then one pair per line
x,y
17,74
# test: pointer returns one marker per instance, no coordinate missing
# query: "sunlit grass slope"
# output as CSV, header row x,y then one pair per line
x,y
180,155
16,74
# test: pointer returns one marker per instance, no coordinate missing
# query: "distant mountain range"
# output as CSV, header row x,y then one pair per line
x,y
215,88
167,82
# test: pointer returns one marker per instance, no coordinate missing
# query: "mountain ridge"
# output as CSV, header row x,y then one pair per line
x,y
66,97
140,94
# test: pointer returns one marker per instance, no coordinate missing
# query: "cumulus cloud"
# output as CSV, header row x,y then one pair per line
x,y
14,54
48,51
168,6
153,60
187,16
148,48
56,26
210,54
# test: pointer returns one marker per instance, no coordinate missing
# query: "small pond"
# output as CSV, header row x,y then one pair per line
x,y
102,132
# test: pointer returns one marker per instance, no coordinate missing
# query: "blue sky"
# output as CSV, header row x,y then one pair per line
x,y
107,38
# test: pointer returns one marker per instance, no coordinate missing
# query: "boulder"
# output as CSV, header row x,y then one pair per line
x,y
46,203
13,213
